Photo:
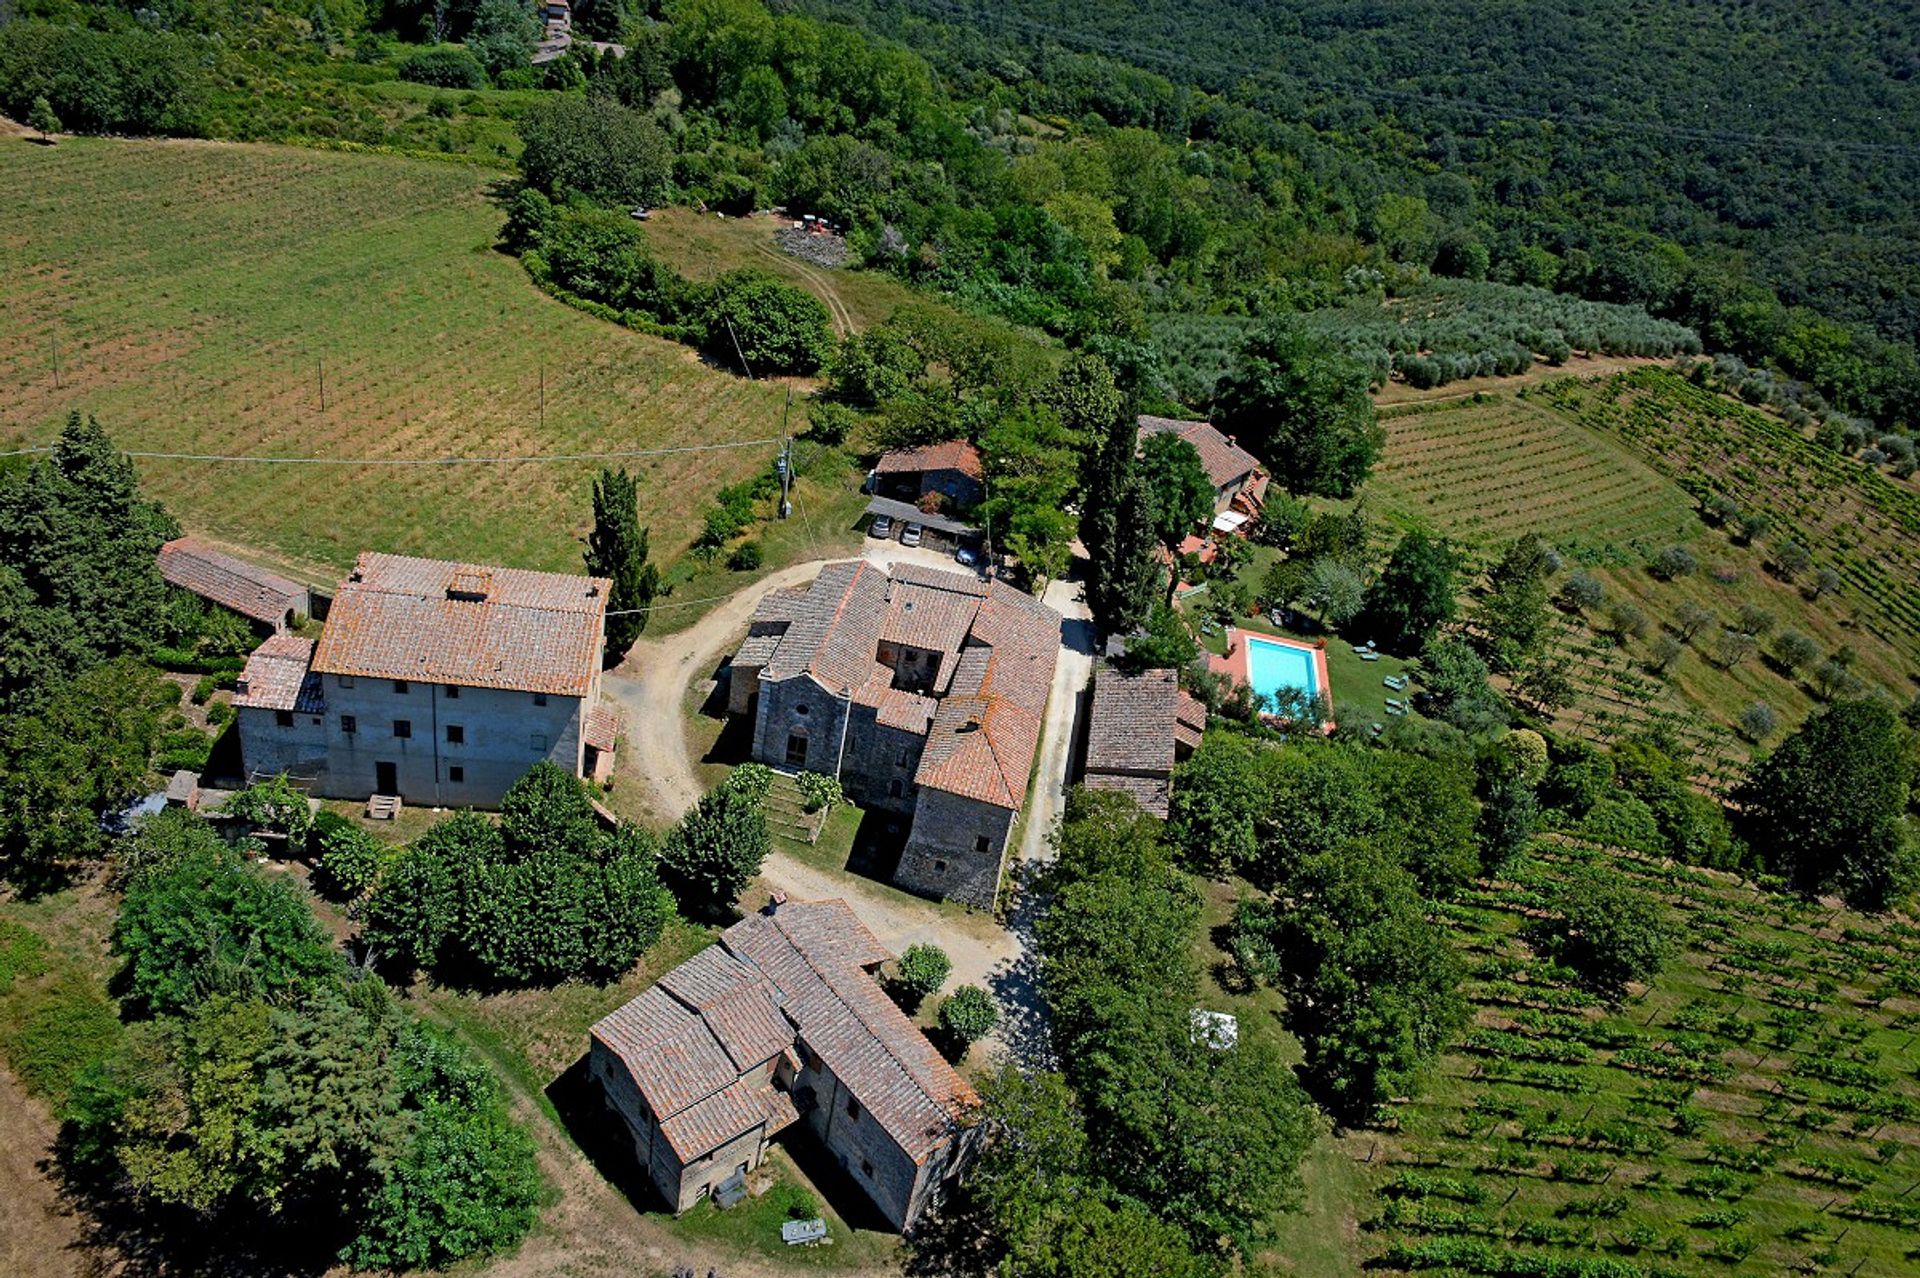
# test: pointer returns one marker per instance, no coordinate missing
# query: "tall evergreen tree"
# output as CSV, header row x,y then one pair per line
x,y
617,548
1117,530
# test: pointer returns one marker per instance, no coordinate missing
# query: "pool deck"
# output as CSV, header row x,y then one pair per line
x,y
1234,663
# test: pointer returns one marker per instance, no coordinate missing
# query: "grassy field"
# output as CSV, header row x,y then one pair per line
x,y
1753,1112
1491,466
195,292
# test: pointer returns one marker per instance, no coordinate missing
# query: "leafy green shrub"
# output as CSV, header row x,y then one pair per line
x,y
709,857
746,557
350,859
969,1015
755,780
277,807
818,791
204,921
203,688
545,895
220,714
447,66
773,325
922,970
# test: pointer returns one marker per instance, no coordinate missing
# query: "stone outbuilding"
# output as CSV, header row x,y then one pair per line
x,y
1139,728
923,691
263,597
779,1025
952,469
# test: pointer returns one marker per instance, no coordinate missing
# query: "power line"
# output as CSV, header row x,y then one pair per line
x,y
1514,115
421,461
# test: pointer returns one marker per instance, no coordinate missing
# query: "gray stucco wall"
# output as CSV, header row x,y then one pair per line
x,y
269,748
943,856
503,733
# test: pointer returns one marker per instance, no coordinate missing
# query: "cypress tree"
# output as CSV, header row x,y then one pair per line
x,y
617,548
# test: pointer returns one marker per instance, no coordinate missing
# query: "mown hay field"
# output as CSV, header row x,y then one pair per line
x,y
1752,1112
1490,467
197,293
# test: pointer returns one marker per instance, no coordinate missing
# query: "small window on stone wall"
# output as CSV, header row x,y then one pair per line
x,y
982,843
940,867
800,709
853,1109
866,1169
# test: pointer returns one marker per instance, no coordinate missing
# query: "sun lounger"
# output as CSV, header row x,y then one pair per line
x,y
1369,656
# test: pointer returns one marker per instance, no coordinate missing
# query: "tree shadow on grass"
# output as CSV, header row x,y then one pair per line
x,y
120,1237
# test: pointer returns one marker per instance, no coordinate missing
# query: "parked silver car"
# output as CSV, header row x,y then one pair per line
x,y
881,527
910,536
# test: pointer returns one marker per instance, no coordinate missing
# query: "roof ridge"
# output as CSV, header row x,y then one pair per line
x,y
851,1010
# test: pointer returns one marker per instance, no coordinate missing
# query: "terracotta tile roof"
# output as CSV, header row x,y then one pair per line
x,y
1225,460
814,952
928,616
733,1111
603,727
278,677
1130,726
999,647
231,583
691,1038
1153,794
831,634
1189,721
435,621
690,1041
954,454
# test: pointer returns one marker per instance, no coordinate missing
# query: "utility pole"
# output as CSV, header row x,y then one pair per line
x,y
56,362
322,366
543,395
786,458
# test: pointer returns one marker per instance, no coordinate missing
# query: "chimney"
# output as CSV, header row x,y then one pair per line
x,y
774,902
1233,441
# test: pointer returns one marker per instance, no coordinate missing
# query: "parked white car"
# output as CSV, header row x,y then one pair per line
x,y
881,527
910,536
967,555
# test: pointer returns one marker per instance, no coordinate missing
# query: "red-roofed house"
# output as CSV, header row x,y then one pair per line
x,y
782,1022
437,682
923,691
952,469
1234,471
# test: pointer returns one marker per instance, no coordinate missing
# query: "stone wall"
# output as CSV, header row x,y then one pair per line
x,y
860,1145
955,849
799,706
878,769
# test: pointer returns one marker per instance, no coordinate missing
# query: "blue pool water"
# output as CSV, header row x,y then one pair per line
x,y
1277,667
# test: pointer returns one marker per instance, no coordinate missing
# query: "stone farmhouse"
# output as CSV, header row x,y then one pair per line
x,y
953,470
1235,472
436,682
923,691
1139,727
266,598
782,1022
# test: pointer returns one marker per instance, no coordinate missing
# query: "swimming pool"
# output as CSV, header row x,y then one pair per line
x,y
1277,665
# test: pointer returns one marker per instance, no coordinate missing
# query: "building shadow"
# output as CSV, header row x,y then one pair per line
x,y
601,1136
830,1180
1023,1028
878,845
1078,635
